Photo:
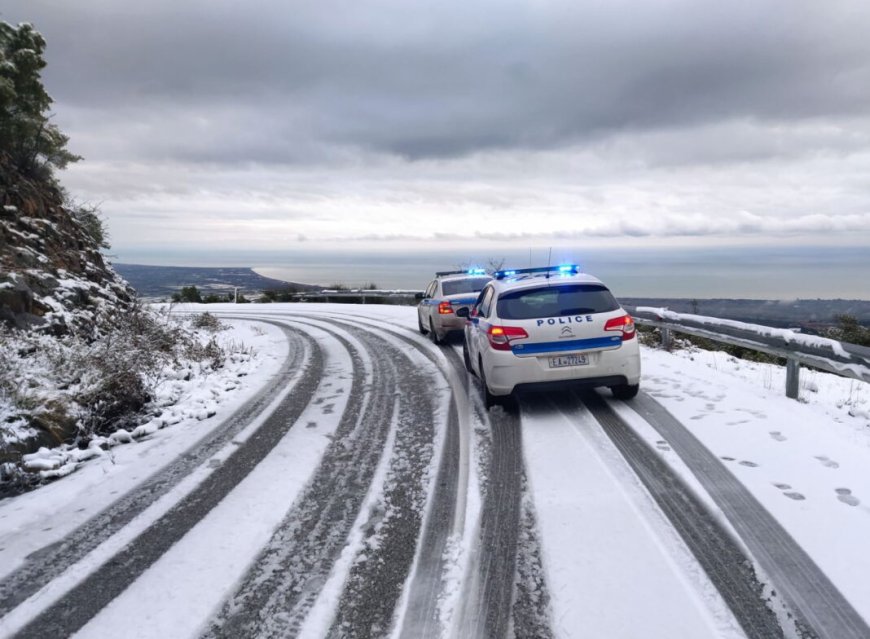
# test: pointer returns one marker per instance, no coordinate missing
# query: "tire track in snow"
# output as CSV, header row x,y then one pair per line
x,y
47,563
714,548
445,512
367,606
421,619
285,581
807,590
489,591
79,605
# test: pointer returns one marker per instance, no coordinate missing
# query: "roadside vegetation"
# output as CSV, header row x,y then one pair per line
x,y
79,390
81,360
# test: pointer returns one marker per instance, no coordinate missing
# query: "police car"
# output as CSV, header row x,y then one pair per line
x,y
449,292
538,326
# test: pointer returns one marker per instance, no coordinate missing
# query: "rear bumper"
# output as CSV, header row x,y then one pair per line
x,y
448,323
506,372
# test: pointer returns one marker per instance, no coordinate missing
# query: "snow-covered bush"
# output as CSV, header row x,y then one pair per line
x,y
72,388
207,321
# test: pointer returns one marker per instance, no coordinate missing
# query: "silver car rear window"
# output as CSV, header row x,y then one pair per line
x,y
470,285
555,301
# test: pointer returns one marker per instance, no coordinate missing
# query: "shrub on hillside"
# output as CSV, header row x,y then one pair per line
x,y
208,322
72,389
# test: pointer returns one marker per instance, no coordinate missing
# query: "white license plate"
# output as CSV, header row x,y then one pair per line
x,y
568,360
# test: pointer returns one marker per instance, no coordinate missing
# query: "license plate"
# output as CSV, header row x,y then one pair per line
x,y
568,360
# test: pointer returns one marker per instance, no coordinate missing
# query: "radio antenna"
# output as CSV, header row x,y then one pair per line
x,y
549,258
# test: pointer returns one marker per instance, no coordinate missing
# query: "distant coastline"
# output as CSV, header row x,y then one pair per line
x,y
157,282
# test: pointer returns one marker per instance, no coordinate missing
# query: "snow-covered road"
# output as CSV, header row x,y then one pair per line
x,y
363,491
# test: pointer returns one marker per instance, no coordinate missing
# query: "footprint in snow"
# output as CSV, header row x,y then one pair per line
x,y
311,425
754,413
728,458
738,423
827,463
788,492
702,416
778,436
845,495
662,445
749,463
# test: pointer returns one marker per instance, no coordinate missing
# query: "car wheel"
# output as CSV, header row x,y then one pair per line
x,y
434,334
489,400
466,358
625,391
423,331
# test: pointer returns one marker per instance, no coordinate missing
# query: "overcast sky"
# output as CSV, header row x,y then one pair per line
x,y
405,126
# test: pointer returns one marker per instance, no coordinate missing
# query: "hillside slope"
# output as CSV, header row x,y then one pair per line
x,y
52,274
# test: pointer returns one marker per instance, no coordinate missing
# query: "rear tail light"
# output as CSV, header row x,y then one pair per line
x,y
500,337
445,308
624,324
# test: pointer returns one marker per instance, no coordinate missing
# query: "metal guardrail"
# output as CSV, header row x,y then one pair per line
x,y
395,297
840,358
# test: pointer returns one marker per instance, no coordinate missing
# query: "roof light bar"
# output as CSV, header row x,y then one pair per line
x,y
471,271
562,269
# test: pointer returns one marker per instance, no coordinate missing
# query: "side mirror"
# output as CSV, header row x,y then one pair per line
x,y
418,296
462,312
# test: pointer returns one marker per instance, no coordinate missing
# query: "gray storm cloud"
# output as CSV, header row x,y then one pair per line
x,y
280,82
382,120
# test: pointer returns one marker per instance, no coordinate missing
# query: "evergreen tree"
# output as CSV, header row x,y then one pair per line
x,y
29,142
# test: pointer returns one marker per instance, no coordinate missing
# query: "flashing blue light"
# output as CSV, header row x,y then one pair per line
x,y
476,271
568,268
509,273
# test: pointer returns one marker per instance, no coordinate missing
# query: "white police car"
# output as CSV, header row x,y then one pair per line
x,y
445,295
538,326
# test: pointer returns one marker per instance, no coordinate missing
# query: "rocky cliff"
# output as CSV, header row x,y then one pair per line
x,y
53,277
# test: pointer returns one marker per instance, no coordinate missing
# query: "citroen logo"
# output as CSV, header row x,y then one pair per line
x,y
567,332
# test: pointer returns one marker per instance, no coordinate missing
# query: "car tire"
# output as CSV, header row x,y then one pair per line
x,y
489,400
423,331
625,391
466,358
434,334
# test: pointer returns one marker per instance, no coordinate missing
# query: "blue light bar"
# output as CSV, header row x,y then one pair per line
x,y
563,269
476,271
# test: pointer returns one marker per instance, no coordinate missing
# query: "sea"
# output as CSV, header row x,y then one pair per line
x,y
756,272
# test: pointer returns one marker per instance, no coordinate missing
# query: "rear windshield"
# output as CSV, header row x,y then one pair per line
x,y
555,301
469,285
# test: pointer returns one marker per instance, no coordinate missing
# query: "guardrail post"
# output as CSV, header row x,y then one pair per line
x,y
792,374
667,339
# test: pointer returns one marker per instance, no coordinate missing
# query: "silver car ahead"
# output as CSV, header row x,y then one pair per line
x,y
446,294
